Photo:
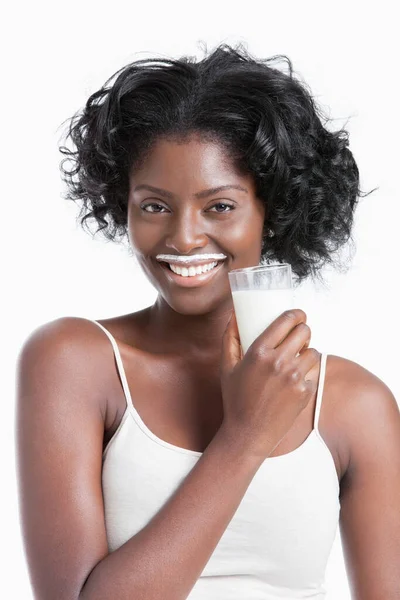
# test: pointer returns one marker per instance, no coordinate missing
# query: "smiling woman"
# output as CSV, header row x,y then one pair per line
x,y
184,226
223,474
267,125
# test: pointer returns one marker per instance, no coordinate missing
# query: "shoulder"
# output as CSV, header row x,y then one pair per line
x,y
59,431
369,419
361,391
66,347
70,336
364,409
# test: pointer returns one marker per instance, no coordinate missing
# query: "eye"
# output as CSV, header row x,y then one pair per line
x,y
151,204
231,206
225,204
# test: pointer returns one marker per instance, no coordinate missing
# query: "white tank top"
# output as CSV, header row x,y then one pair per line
x,y
279,540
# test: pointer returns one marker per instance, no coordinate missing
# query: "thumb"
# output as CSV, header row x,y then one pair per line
x,y
231,349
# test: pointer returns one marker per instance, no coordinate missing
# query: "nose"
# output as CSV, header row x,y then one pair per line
x,y
187,231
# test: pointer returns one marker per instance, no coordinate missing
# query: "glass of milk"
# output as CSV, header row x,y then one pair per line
x,y
260,294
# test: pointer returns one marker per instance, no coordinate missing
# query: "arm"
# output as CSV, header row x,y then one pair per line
x,y
60,425
370,491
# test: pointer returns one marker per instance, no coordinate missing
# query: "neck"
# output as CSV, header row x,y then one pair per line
x,y
198,335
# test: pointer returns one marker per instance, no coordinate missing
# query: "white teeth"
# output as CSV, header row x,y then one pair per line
x,y
192,271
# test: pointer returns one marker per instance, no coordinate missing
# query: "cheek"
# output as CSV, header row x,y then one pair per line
x,y
244,235
136,238
142,236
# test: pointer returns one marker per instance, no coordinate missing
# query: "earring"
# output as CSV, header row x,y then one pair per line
x,y
270,233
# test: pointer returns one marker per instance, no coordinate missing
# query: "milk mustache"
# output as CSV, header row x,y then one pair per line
x,y
256,309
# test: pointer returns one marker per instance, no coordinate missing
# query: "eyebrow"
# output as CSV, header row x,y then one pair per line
x,y
202,194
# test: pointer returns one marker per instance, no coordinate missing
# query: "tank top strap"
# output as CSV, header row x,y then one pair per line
x,y
120,365
321,382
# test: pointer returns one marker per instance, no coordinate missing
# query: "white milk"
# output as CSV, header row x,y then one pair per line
x,y
256,309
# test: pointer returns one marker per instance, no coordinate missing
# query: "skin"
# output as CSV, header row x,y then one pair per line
x,y
171,354
189,322
183,319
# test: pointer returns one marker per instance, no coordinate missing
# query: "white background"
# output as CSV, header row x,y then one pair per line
x,y
55,55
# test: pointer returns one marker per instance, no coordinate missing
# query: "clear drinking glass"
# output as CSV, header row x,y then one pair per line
x,y
260,294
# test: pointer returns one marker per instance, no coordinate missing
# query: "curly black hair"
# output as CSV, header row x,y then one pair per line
x,y
269,124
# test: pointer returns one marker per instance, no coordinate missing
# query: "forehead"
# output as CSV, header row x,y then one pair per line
x,y
187,160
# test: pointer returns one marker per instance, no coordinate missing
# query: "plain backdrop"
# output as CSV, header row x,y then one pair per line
x,y
55,55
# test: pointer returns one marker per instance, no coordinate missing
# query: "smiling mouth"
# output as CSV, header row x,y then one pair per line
x,y
190,280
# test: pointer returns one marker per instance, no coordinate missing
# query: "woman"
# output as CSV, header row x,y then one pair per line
x,y
185,469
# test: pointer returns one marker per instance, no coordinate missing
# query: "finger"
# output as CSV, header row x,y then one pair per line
x,y
280,328
307,360
231,348
297,341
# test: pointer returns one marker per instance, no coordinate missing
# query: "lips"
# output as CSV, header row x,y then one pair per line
x,y
190,281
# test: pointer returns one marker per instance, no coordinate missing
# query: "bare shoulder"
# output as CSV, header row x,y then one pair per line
x,y
64,330
61,407
72,336
74,345
369,421
363,407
